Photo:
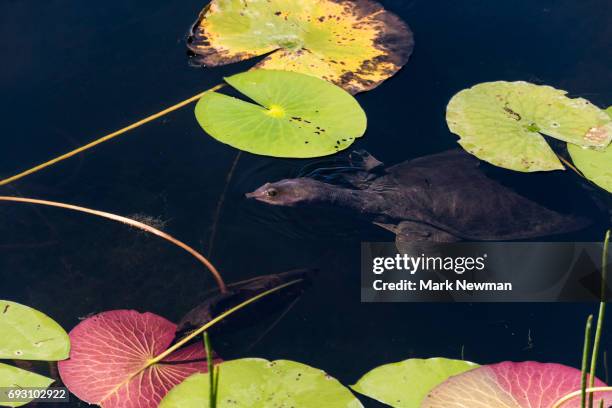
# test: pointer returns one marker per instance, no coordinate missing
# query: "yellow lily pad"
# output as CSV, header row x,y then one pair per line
x,y
596,165
503,123
354,44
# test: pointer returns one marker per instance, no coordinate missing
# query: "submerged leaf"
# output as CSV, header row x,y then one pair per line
x,y
108,363
295,115
253,382
354,44
216,303
407,383
503,123
511,385
596,165
16,378
28,334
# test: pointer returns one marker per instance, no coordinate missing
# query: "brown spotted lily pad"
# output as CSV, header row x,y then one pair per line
x,y
503,123
258,383
294,115
354,44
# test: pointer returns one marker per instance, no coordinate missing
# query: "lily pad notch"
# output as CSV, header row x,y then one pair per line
x,y
354,44
109,362
127,359
293,115
503,123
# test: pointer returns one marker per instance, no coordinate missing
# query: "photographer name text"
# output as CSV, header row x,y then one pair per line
x,y
433,286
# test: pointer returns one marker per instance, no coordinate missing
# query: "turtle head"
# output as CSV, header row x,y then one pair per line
x,y
290,192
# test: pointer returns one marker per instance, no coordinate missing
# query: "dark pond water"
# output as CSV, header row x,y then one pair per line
x,y
74,70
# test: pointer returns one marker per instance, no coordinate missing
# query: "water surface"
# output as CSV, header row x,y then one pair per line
x,y
73,70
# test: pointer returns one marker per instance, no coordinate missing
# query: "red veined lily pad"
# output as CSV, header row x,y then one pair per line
x,y
511,385
109,356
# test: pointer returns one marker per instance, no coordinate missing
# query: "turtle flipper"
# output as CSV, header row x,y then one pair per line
x,y
364,168
410,231
414,237
357,171
364,160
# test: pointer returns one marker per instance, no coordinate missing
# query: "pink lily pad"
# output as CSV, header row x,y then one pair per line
x,y
511,385
109,354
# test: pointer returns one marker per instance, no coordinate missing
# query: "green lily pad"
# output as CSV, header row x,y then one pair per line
x,y
503,123
294,115
407,383
253,382
28,334
354,44
16,378
596,165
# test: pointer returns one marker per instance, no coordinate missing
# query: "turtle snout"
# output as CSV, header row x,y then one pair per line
x,y
260,193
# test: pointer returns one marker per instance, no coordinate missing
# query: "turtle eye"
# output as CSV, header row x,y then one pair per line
x,y
271,192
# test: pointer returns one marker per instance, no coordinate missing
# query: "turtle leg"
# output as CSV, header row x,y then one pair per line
x,y
413,238
364,160
410,231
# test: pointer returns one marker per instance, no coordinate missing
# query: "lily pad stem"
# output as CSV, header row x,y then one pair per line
x,y
602,308
212,372
133,223
219,208
214,321
571,166
571,395
109,136
601,316
585,360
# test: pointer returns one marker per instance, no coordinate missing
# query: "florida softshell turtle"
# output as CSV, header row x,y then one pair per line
x,y
444,197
